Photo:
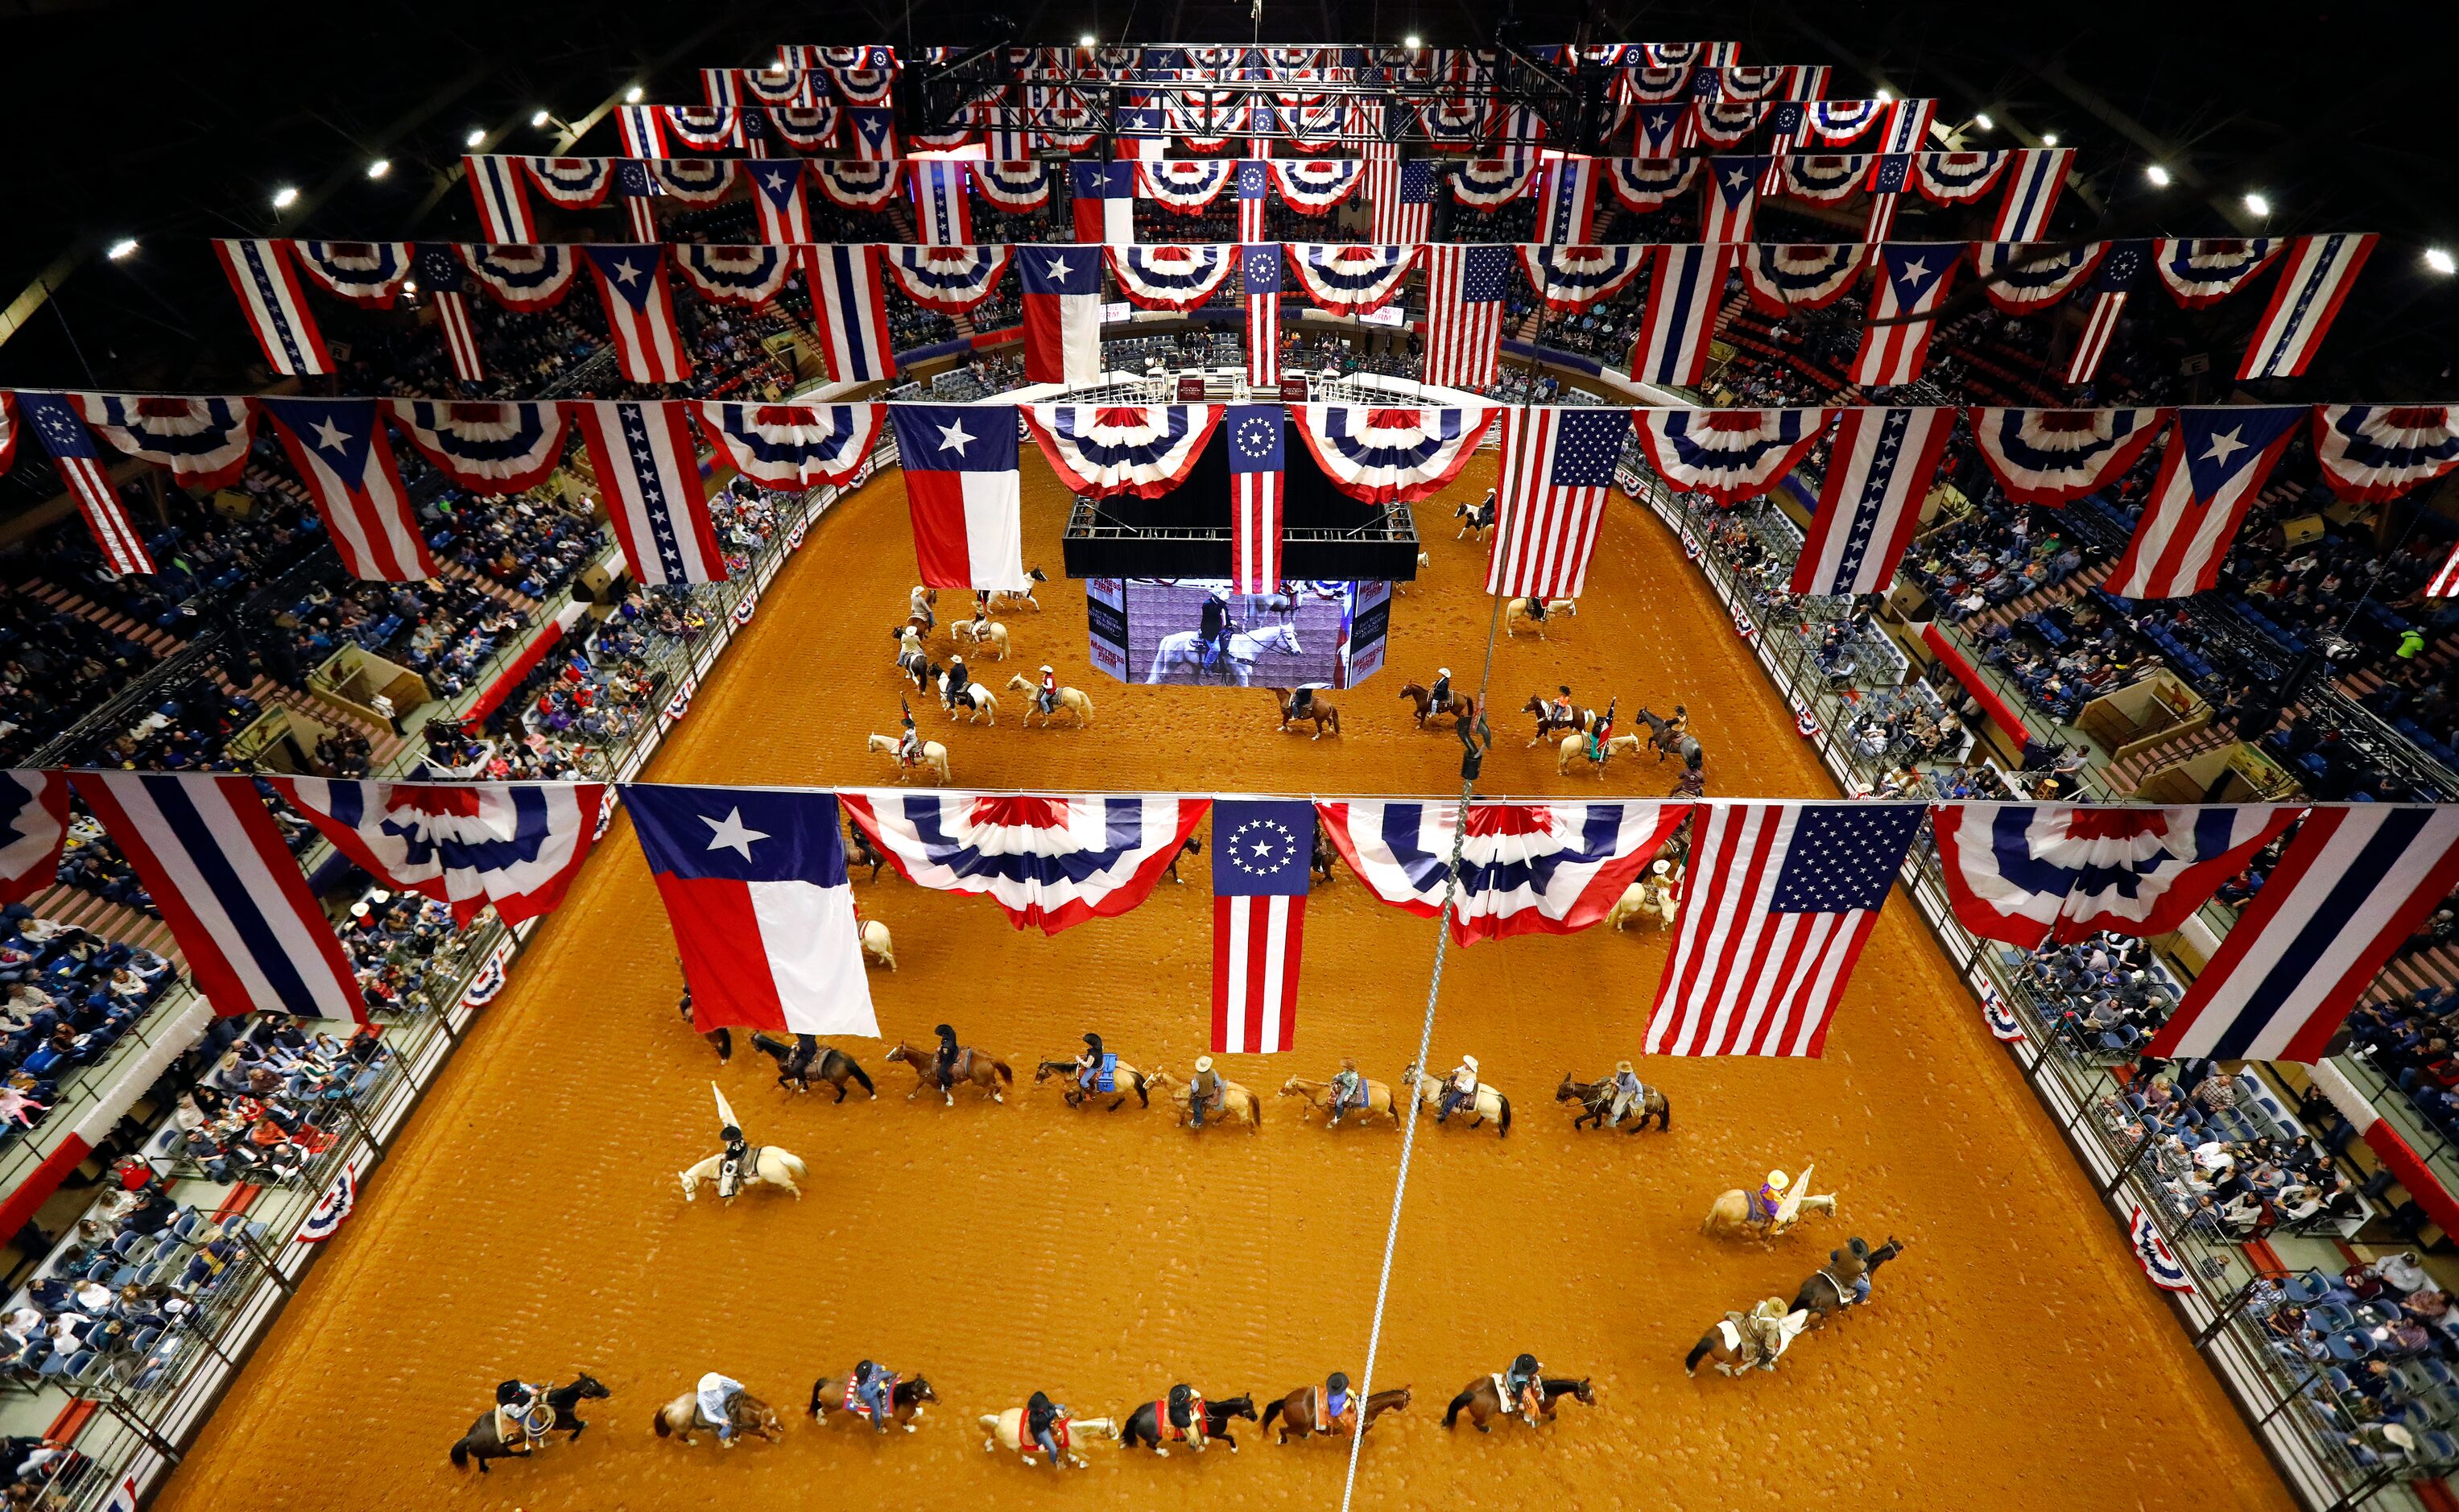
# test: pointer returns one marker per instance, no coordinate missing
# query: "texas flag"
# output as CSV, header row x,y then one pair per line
x,y
1062,313
1260,852
1104,197
754,883
962,486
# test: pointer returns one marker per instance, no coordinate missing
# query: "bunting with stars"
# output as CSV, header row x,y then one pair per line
x,y
1879,470
648,472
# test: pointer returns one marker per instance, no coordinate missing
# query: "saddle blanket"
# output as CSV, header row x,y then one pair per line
x,y
1161,1424
1058,1435
1106,1075
854,1402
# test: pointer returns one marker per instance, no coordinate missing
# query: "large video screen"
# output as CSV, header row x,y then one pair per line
x,y
1153,630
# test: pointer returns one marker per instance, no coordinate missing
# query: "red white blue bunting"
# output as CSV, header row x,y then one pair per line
x,y
1644,183
1784,279
1186,186
521,278
203,441
1349,277
1386,455
2020,277
2200,272
1723,125
1170,277
1013,187
1102,450
793,445
488,446
1957,177
734,274
694,180
703,128
1728,454
2378,453
807,128
1570,278
1825,178
856,183
572,183
1489,184
2054,456
951,280
369,274
1315,188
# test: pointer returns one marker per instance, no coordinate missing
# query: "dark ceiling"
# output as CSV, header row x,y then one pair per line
x,y
174,123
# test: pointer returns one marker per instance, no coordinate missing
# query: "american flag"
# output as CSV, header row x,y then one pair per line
x,y
439,270
1556,472
639,312
54,420
1401,195
1257,454
647,465
1465,287
1260,266
1782,898
2109,283
339,449
1254,192
1260,851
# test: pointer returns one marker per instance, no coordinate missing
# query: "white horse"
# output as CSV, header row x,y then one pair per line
x,y
1005,1430
1184,651
1070,700
934,756
876,945
984,704
1003,599
1521,611
993,638
1648,899
770,1166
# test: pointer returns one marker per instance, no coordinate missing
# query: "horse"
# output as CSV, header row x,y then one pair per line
x,y
828,1064
1148,1425
1482,1399
990,636
1549,721
1524,611
974,698
1642,900
1003,599
985,1071
1192,846
769,1166
1596,1101
1005,1431
1184,650
830,1394
483,1443
877,948
1298,1412
1479,519
1575,747
1668,741
1731,1214
1318,1096
1821,1294
914,665
1319,713
1122,1075
719,1039
1489,1104
745,1414
1237,1102
1423,696
860,852
934,756
1726,1347
1070,700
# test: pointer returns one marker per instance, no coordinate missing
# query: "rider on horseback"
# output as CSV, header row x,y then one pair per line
x,y
1348,1089
1092,1065
1204,1094
1627,1093
1440,699
870,1386
1339,1405
1213,631
1460,1088
1602,732
735,1164
716,1395
1041,1419
908,744
1769,1198
1560,713
943,1066
960,682
1045,699
1520,1391
516,1409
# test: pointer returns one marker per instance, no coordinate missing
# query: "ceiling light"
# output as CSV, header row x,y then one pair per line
x,y
1882,96
2048,138
478,138
2158,175
1412,42
2435,258
1086,40
632,96
285,197
2256,202
380,167
410,285
126,247
540,118
1984,121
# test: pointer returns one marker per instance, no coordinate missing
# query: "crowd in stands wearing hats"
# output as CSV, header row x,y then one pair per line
x,y
394,941
2370,1351
71,995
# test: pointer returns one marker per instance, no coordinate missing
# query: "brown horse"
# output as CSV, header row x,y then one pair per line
x,y
825,1064
745,1414
1238,1103
1549,721
1483,1400
985,1071
1596,1100
1319,713
1318,1096
905,1400
1299,1409
1125,1077
1423,696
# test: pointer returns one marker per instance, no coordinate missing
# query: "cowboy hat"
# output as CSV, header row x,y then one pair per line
x,y
1778,1180
1660,867
1470,1061
1442,672
1204,1063
1622,1066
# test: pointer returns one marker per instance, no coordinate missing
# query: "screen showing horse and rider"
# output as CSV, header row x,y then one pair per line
x,y
1192,632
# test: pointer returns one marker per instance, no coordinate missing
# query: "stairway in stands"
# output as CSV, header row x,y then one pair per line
x,y
112,922
161,642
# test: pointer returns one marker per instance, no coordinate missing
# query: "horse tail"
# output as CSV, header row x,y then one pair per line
x,y
1699,1351
1272,1410
815,1395
1506,1115
1451,1414
793,1162
853,1070
1005,1076
1143,1100
461,1453
1664,1113
663,1431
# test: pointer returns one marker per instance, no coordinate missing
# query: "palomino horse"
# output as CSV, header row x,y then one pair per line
x,y
1482,1399
1071,701
1732,1347
1596,1101
1478,517
1003,599
1423,696
905,1400
1184,652
1730,1216
988,634
745,1414
1523,612
1822,1293
981,1069
1318,1096
771,1167
1301,1412
972,698
1005,1431
1237,1103
877,948
1549,721
1319,713
1575,747
1148,1426
934,756
483,1441
1668,741
1124,1077
1489,1104
799,1065
1650,898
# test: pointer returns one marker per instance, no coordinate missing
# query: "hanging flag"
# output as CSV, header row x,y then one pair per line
x,y
642,129
490,447
2031,874
777,195
751,275
952,279
1566,204
522,278
1489,184
1551,486
2023,279
369,274
1957,177
502,196
204,442
1717,123
1823,178
1550,868
572,183
54,420
2117,275
637,190
1063,314
853,185
2031,194
1786,279
1183,185
1385,454
1013,187
322,1223
1315,188
211,857
514,846
2446,582
963,489
648,476
1728,454
33,823
639,312
874,134
339,450
2313,283
1912,278
2052,457
807,128
1573,279
699,180
788,446
755,886
1733,196
941,211
2374,453
1051,862
439,270
1254,192
1781,900
276,307
2352,886
1889,173
1879,471
1260,853
851,302
1659,130
1463,331
1103,196
1685,285
1258,457
1400,197
1348,278
1169,277
2199,273
2212,472
1260,269
1101,449
10,430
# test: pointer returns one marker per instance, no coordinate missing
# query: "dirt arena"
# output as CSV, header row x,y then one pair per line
x,y
529,1221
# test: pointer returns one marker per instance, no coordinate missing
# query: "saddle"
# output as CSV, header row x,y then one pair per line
x,y
854,1402
1103,1077
1058,1435
1165,1429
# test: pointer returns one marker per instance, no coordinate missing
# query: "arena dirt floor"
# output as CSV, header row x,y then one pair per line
x,y
529,1221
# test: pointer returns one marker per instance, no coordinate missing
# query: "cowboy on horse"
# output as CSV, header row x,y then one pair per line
x,y
521,1412
1628,1091
1045,698
1204,1094
1520,1391
958,689
1043,1418
1559,712
908,744
1096,1068
1213,631
1767,1203
1441,697
1348,1090
715,1397
943,1066
868,1389
1601,732
1460,1088
1339,1405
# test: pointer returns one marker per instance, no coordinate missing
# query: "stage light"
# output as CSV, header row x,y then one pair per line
x,y
632,96
285,197
1412,42
1984,121
2048,138
121,250
2435,258
1882,96
2256,202
380,167
1086,40
2158,175
540,118
478,138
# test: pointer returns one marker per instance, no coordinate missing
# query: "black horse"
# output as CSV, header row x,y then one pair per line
x,y
481,1445
1319,864
1661,737
801,1059
1142,1427
860,852
1821,1294
1194,846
